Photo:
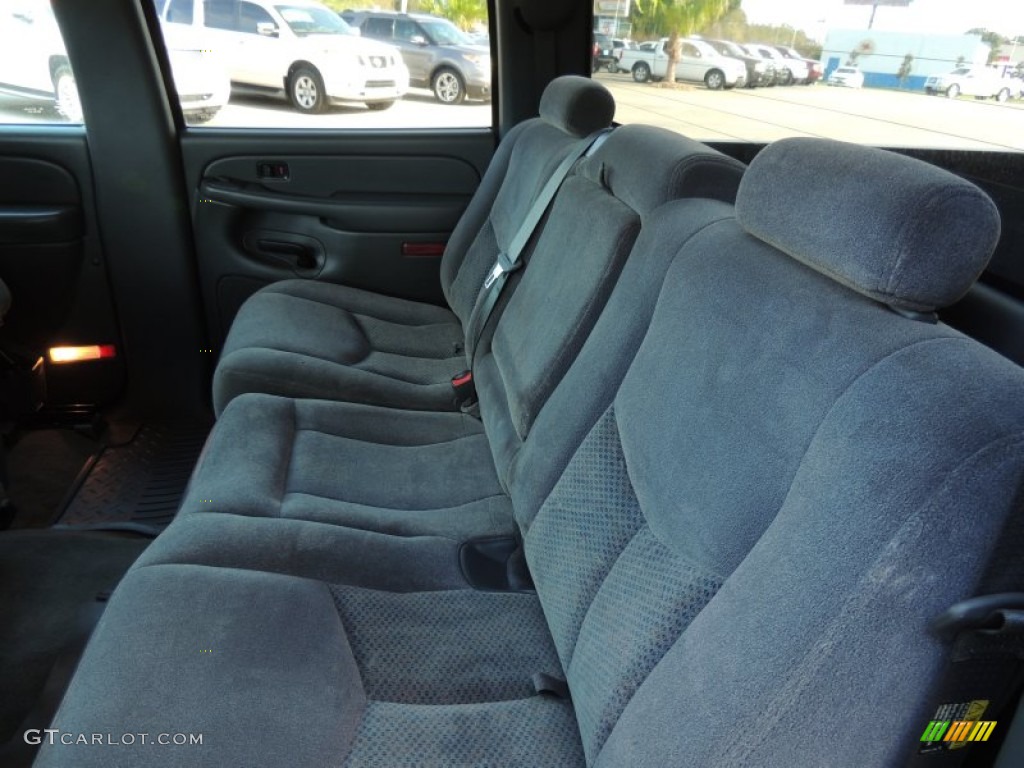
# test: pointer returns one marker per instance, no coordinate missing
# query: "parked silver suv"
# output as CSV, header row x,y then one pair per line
x,y
439,55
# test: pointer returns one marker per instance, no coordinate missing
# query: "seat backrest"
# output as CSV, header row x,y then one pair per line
x,y
571,108
574,264
740,560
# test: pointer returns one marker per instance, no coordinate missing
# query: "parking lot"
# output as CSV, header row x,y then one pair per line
x,y
883,118
878,117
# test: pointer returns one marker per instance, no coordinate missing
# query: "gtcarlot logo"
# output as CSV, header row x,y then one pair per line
x,y
57,736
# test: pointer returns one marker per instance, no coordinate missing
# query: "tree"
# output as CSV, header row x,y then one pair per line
x,y
465,14
994,40
682,18
905,68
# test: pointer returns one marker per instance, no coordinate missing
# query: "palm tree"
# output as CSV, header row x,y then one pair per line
x,y
682,18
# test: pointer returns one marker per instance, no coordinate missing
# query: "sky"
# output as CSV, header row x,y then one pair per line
x,y
932,16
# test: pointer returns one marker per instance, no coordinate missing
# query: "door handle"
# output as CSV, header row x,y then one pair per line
x,y
26,224
303,255
295,255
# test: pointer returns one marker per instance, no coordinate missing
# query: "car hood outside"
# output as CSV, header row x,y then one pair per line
x,y
351,44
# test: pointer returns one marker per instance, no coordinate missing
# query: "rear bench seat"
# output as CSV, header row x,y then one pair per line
x,y
739,545
303,338
420,473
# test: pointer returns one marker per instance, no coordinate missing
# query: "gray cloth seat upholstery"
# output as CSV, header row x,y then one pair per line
x,y
737,542
301,338
432,473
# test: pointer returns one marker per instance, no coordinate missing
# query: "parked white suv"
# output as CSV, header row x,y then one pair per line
x,y
980,82
34,64
295,47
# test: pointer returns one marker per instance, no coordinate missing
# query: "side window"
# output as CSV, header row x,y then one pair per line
x,y
318,72
180,11
885,73
406,30
250,16
36,81
379,28
222,14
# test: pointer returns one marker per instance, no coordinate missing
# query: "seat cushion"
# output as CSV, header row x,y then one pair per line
x,y
302,338
409,473
321,674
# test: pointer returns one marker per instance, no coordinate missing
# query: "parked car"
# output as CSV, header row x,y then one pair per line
x,y
849,77
814,69
299,48
760,71
790,71
698,62
34,64
980,82
619,46
604,54
439,55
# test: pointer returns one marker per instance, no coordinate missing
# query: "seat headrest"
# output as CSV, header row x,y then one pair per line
x,y
577,105
645,166
896,229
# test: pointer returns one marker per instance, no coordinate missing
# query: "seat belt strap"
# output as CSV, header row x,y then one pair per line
x,y
510,260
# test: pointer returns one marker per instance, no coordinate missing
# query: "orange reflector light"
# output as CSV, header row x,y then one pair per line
x,y
78,354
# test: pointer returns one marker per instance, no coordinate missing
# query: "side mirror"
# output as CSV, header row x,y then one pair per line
x,y
418,40
266,29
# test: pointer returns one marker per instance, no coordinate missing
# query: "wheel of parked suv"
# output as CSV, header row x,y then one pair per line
x,y
641,72
306,90
715,80
953,91
448,86
66,90
1003,96
787,77
379,105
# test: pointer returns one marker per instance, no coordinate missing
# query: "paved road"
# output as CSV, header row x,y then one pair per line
x,y
883,118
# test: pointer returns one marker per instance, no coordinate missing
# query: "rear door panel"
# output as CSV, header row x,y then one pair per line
x,y
369,211
51,258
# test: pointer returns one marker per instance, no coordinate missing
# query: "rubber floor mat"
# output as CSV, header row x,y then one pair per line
x,y
137,485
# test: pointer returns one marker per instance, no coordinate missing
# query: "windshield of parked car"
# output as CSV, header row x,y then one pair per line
x,y
312,20
444,32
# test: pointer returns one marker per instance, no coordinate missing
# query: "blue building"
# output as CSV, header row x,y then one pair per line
x,y
881,55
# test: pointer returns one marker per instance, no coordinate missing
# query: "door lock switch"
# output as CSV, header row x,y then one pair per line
x,y
275,170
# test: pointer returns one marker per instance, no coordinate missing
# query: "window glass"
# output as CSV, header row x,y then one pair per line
x,y
180,11
37,84
379,27
690,50
250,16
443,32
221,14
927,73
406,30
301,64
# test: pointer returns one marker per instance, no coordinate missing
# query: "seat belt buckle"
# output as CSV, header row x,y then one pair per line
x,y
463,387
502,266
